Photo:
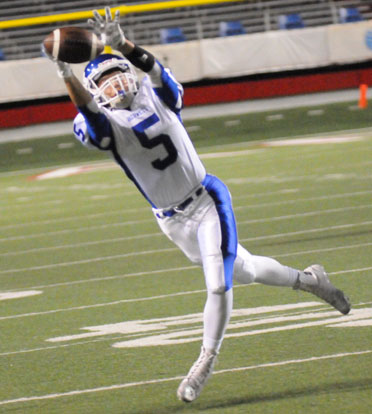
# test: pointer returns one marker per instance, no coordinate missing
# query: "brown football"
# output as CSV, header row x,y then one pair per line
x,y
72,44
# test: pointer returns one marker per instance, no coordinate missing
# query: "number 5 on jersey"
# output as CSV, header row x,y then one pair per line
x,y
161,139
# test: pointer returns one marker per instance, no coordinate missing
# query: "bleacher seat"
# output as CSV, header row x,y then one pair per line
x,y
197,22
349,15
2,56
172,35
232,28
290,21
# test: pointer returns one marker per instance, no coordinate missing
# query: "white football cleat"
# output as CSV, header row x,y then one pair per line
x,y
192,385
324,289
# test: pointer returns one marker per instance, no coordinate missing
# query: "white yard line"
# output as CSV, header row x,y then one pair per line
x,y
93,166
100,305
177,269
330,249
311,178
24,199
81,244
149,298
151,235
177,378
80,229
308,231
301,199
113,277
132,222
73,245
171,249
77,217
362,269
320,307
292,141
91,260
135,210
307,214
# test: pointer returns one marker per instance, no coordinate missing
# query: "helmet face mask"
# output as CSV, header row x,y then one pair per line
x,y
118,90
115,91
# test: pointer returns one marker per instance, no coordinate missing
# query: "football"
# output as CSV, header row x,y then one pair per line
x,y
72,44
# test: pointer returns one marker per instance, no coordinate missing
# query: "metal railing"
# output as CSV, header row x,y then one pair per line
x,y
20,38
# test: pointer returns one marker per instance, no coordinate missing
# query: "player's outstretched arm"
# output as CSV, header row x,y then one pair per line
x,y
111,34
78,94
98,127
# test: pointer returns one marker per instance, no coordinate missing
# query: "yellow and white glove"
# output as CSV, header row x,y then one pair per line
x,y
108,29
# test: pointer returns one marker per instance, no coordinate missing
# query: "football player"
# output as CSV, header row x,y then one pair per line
x,y
139,124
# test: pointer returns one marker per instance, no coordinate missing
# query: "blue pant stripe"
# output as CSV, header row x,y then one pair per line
x,y
221,197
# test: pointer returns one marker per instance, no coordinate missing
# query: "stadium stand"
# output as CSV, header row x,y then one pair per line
x,y
145,28
349,15
172,35
290,21
233,28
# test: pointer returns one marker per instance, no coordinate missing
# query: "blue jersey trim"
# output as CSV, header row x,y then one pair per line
x,y
98,126
170,92
221,197
128,172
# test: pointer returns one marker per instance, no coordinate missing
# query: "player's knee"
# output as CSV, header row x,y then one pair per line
x,y
244,271
216,284
219,290
219,286
214,271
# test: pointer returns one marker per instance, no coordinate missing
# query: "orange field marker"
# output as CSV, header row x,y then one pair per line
x,y
363,103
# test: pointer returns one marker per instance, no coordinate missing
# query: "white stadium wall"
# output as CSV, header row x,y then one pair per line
x,y
219,58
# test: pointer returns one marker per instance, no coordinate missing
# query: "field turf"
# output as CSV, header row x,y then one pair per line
x,y
100,313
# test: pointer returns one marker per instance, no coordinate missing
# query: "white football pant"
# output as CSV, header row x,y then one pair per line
x,y
206,233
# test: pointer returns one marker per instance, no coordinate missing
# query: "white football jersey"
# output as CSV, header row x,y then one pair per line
x,y
150,142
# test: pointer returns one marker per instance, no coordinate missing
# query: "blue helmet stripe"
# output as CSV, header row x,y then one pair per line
x,y
93,64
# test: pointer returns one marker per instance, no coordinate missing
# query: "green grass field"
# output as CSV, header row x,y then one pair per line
x,y
100,313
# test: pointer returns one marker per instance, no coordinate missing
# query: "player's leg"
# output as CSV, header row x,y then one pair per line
x,y
201,242
183,233
217,241
250,268
218,273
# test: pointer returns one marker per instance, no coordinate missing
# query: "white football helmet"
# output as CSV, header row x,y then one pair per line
x,y
116,91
